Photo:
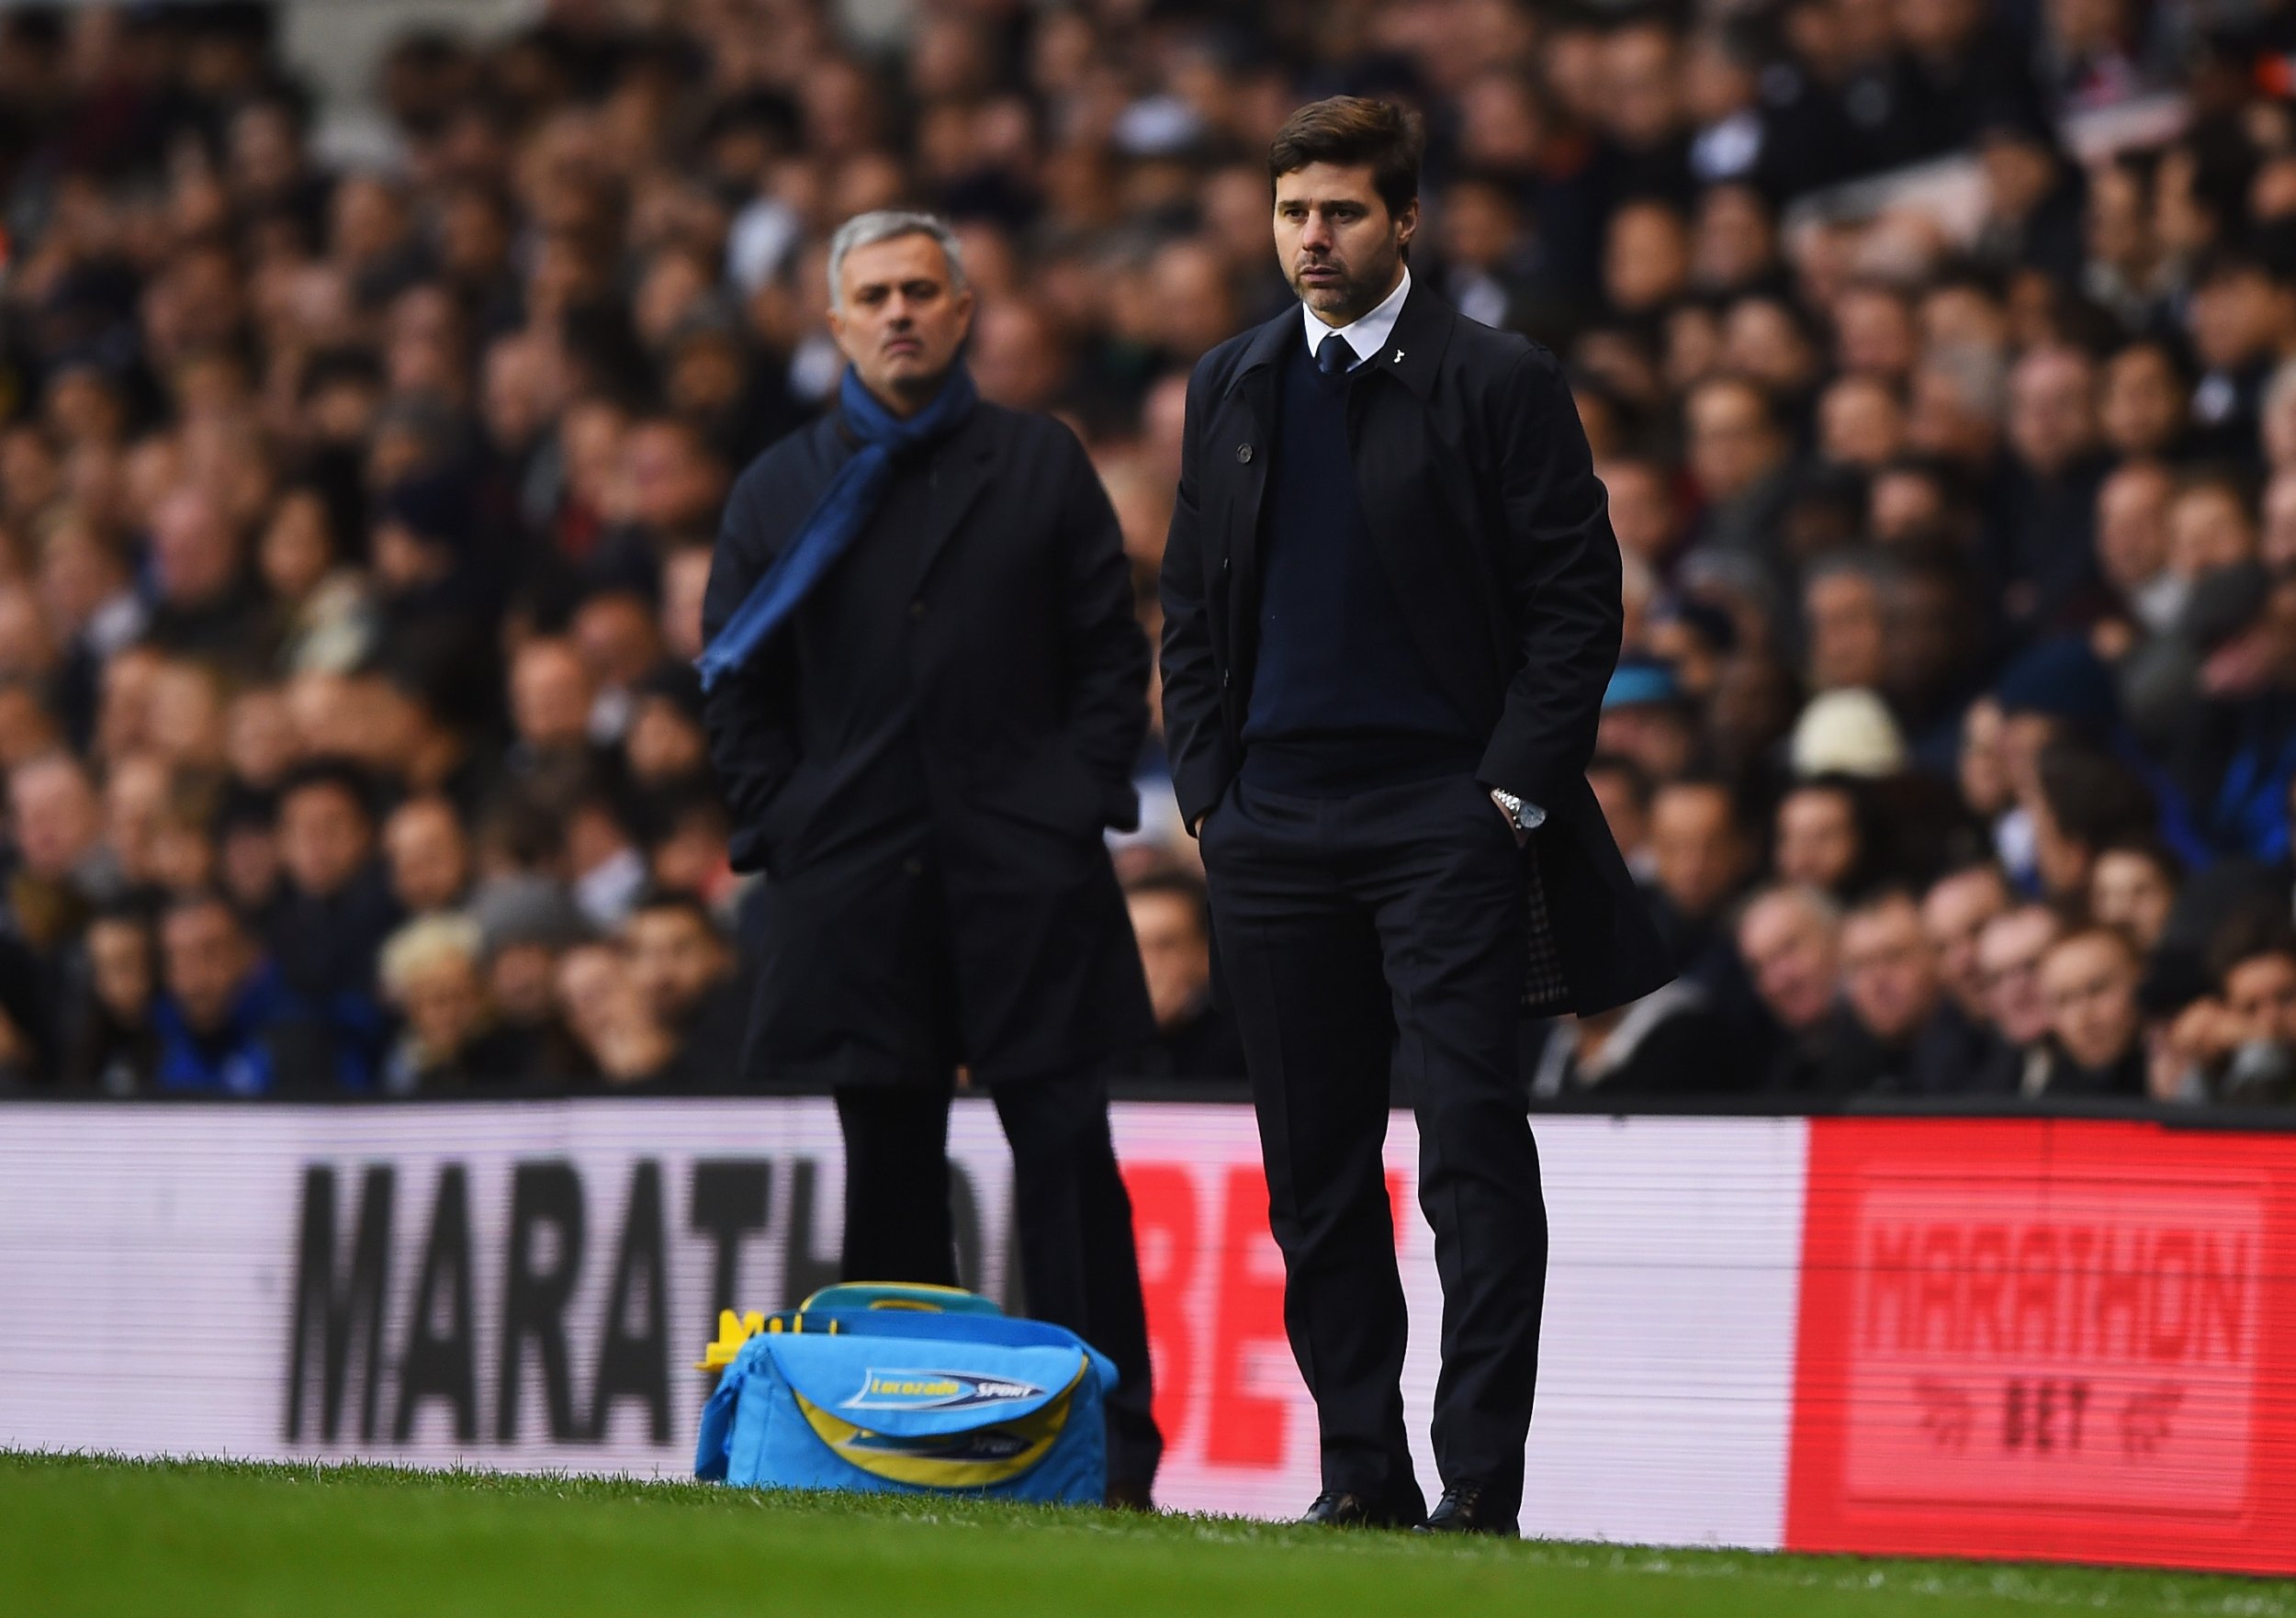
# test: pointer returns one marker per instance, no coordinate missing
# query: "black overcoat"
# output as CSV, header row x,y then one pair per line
x,y
992,596
1483,507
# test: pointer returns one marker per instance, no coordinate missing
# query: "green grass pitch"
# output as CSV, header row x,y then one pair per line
x,y
88,1535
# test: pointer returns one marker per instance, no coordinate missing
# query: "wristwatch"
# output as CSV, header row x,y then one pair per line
x,y
1521,816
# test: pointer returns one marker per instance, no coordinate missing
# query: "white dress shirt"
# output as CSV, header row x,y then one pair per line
x,y
1367,334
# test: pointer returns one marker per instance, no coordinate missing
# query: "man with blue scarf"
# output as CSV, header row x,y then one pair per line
x,y
926,689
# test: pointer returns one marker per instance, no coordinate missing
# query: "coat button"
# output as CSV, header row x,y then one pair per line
x,y
914,866
917,609
1243,453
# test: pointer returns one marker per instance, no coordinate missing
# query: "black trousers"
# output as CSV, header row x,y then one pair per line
x,y
1356,936
1072,1215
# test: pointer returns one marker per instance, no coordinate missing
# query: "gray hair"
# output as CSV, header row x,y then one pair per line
x,y
1811,901
424,943
884,224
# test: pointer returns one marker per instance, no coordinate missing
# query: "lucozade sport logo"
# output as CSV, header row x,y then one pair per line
x,y
936,1390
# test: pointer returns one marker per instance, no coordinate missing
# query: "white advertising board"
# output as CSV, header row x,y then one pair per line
x,y
525,1286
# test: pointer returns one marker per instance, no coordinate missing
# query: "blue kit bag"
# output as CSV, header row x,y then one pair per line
x,y
897,1389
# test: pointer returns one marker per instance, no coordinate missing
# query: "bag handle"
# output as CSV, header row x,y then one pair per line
x,y
918,1295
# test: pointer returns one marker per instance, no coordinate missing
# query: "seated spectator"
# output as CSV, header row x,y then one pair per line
x,y
623,1044
607,869
2095,1047
2215,897
223,1023
1893,1041
551,696
62,868
688,846
2240,318
2055,694
683,968
1698,859
2237,1045
664,748
1666,1045
2009,957
1954,913
111,1043
2132,885
428,856
617,635
1791,938
324,614
1842,611
1821,840
526,923
205,608
2237,751
1195,1037
247,853
450,1041
333,915
2132,549
2043,546
2082,801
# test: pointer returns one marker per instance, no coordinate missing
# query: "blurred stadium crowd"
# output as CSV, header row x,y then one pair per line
x,y
355,518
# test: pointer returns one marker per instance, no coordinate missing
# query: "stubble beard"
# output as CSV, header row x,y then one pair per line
x,y
1352,297
914,389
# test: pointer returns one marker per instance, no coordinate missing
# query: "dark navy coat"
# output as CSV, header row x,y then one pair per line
x,y
927,756
1494,534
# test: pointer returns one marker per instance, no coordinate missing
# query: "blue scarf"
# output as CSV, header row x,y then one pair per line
x,y
839,514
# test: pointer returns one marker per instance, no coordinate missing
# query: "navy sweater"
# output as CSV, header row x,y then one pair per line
x,y
1342,702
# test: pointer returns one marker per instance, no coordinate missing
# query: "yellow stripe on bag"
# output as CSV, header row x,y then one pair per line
x,y
912,1460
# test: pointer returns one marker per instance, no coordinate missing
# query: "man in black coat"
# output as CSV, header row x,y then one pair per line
x,y
1392,606
927,687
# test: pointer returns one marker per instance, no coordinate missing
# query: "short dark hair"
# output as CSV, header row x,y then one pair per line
x,y
1352,130
683,901
2080,932
1703,780
1987,867
184,900
343,775
2248,935
2149,846
2095,799
1885,894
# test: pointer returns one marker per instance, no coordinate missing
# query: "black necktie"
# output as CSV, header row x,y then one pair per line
x,y
1334,357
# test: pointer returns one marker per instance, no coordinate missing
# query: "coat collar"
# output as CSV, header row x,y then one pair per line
x,y
962,466
1414,349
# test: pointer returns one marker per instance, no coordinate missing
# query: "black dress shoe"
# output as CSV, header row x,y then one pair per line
x,y
1463,1509
1342,1508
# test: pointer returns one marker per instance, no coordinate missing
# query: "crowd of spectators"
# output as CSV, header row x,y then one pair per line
x,y
354,516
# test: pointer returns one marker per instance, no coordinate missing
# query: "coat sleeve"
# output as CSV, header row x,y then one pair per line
x,y
753,742
1107,711
1195,730
1558,563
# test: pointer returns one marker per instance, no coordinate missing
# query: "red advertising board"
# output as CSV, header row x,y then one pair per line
x,y
2063,1340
